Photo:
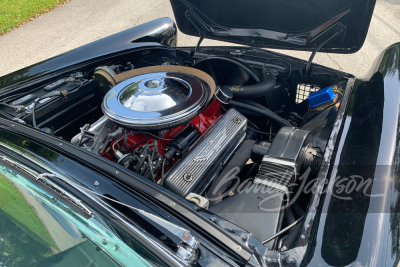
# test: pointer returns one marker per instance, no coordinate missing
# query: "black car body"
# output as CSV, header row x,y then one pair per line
x,y
341,206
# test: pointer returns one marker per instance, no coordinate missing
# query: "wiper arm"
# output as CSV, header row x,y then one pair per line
x,y
44,179
187,249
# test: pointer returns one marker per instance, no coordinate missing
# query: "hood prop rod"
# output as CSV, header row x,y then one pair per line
x,y
338,30
202,33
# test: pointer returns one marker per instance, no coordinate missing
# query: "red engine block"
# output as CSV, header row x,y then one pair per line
x,y
137,139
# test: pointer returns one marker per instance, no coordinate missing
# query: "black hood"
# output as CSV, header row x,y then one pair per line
x,y
285,24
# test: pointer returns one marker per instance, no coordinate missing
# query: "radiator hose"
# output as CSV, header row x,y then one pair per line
x,y
262,111
251,91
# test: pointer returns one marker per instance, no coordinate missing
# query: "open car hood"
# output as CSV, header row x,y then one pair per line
x,y
288,24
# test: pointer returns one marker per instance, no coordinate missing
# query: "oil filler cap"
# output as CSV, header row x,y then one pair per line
x,y
322,96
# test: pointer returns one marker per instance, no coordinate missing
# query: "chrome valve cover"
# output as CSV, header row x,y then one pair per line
x,y
201,165
156,100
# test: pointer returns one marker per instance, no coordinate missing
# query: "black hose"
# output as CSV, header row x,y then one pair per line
x,y
260,132
252,103
256,90
250,91
234,61
290,239
297,209
264,112
289,217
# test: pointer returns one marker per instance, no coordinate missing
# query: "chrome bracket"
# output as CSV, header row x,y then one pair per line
x,y
188,248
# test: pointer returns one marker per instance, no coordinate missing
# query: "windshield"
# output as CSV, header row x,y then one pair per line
x,y
36,229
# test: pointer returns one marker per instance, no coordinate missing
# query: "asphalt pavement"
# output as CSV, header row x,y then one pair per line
x,y
79,22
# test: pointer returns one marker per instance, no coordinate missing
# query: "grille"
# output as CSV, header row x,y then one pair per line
x,y
276,173
280,174
304,90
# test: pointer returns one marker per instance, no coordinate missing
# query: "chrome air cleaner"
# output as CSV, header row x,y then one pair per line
x,y
158,97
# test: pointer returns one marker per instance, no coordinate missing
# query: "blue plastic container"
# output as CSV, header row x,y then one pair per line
x,y
321,97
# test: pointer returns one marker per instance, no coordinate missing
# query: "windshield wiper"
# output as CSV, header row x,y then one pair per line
x,y
44,179
188,247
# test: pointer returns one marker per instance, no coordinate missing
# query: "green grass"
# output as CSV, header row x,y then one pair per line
x,y
16,12
15,205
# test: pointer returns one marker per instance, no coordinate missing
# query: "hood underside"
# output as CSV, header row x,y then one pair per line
x,y
290,24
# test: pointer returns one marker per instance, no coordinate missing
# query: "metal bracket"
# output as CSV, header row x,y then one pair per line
x,y
84,132
187,250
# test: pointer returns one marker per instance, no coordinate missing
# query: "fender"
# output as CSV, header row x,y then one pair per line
x,y
160,32
361,227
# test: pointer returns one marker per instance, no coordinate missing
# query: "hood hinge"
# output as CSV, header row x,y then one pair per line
x,y
338,30
202,33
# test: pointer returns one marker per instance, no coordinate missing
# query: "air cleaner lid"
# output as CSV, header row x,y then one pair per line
x,y
156,100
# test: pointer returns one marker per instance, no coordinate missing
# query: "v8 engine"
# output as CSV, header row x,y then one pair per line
x,y
153,117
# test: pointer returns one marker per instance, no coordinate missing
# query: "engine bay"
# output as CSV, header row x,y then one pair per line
x,y
236,132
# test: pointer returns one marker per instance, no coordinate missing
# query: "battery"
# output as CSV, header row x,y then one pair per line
x,y
23,100
52,86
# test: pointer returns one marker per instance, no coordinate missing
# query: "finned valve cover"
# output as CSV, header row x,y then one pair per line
x,y
201,165
156,100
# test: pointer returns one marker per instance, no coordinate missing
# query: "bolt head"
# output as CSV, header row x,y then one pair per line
x,y
237,119
188,177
